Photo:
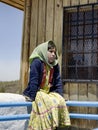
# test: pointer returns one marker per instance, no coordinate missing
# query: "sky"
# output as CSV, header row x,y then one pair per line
x,y
11,26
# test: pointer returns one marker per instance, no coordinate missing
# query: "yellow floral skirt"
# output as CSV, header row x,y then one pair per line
x,y
48,112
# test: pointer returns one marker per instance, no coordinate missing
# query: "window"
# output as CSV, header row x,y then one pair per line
x,y
80,43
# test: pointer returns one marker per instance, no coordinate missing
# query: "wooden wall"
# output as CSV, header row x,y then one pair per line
x,y
43,20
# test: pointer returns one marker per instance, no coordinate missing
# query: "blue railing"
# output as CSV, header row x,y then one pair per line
x,y
69,103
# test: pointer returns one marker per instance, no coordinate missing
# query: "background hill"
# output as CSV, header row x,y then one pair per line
x,y
10,87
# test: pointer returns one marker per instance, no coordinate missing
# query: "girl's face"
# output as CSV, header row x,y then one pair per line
x,y
51,55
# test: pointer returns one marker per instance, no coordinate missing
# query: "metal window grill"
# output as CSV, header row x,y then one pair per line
x,y
80,43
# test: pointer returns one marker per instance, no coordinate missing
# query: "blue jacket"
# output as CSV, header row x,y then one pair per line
x,y
35,78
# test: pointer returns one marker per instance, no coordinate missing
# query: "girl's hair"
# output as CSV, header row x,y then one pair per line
x,y
51,45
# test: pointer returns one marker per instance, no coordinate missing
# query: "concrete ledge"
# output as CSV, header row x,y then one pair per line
x,y
15,124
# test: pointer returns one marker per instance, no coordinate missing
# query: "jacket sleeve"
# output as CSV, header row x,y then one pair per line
x,y
34,79
57,82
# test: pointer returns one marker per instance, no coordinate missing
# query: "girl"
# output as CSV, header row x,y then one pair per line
x,y
45,90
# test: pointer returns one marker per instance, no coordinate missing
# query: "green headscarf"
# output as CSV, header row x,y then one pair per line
x,y
41,52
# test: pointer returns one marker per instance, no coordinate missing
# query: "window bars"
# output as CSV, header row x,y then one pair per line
x,y
80,43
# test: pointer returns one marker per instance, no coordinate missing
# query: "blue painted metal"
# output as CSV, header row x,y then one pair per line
x,y
15,117
82,103
84,116
69,103
27,116
15,104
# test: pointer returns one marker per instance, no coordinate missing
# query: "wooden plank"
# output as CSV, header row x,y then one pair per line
x,y
34,26
21,63
17,1
73,95
41,21
83,96
92,91
66,3
49,19
92,1
15,4
26,42
66,91
83,2
74,2
58,24
20,2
